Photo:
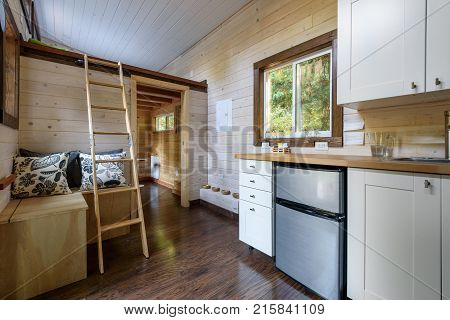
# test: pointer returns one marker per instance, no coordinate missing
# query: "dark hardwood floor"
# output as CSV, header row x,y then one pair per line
x,y
194,254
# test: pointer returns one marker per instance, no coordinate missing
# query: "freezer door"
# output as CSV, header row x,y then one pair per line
x,y
316,188
310,250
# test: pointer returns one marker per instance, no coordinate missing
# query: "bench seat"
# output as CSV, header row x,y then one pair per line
x,y
42,244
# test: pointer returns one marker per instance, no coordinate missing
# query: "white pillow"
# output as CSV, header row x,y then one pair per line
x,y
40,176
108,174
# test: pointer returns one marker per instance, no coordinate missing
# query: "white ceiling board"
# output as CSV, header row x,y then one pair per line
x,y
145,33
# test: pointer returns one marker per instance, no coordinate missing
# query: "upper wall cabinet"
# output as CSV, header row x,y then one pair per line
x,y
381,49
438,45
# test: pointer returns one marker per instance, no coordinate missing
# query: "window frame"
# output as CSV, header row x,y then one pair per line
x,y
293,56
166,116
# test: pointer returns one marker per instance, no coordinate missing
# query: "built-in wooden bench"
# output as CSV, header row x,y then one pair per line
x,y
42,244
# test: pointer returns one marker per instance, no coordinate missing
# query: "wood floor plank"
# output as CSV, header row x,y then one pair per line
x,y
194,254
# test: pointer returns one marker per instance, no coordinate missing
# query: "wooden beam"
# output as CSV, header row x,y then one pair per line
x,y
150,98
72,58
157,92
148,104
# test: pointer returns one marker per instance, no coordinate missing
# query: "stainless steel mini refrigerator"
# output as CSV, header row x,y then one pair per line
x,y
310,237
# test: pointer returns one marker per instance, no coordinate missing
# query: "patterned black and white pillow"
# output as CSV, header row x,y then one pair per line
x,y
40,176
108,174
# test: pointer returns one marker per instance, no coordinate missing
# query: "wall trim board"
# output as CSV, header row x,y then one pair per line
x,y
72,58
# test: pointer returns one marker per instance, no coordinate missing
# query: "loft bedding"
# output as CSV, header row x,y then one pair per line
x,y
45,174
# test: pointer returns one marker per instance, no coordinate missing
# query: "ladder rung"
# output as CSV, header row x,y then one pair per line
x,y
115,190
120,224
107,108
105,84
103,63
114,160
112,133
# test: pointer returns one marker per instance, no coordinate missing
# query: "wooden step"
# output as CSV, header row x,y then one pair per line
x,y
114,160
103,63
111,133
105,84
120,224
107,108
115,190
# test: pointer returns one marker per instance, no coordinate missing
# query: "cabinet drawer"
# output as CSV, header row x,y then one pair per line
x,y
254,166
255,226
263,198
390,179
255,181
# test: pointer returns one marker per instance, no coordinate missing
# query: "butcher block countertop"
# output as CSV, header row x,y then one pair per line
x,y
364,162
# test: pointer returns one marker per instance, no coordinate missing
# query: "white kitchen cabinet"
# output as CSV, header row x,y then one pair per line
x,y
394,235
445,237
256,205
381,47
438,45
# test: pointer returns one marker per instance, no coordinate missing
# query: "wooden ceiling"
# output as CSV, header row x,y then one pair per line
x,y
144,33
151,98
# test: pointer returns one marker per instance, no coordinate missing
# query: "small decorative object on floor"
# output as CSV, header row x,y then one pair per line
x,y
206,186
215,189
226,192
236,195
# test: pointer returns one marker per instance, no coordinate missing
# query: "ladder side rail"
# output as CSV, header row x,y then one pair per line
x,y
94,167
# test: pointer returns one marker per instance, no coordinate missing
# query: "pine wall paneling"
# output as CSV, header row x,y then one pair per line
x,y
53,118
263,28
8,149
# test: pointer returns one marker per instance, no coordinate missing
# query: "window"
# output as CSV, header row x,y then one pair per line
x,y
295,98
165,122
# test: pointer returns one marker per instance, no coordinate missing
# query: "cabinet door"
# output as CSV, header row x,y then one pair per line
x,y
427,237
389,243
445,238
255,226
381,49
438,45
403,251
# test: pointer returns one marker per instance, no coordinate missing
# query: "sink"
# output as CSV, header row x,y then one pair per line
x,y
423,159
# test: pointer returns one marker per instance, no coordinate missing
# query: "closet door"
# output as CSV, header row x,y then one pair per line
x,y
438,45
381,49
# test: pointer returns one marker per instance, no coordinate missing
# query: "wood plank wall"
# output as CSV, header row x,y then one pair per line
x,y
262,28
144,142
8,149
53,118
53,112
167,146
198,142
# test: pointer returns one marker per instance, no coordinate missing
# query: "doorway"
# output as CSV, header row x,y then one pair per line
x,y
161,130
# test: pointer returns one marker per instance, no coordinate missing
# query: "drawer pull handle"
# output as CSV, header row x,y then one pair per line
x,y
252,209
252,181
437,82
252,196
427,184
253,167
413,85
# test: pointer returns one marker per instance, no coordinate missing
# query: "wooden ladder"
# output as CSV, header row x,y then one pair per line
x,y
135,185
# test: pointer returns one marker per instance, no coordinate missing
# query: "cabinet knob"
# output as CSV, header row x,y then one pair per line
x,y
252,209
413,85
252,196
437,82
252,181
427,184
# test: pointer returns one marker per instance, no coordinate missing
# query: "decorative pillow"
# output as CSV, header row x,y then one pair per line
x,y
37,177
108,174
73,166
